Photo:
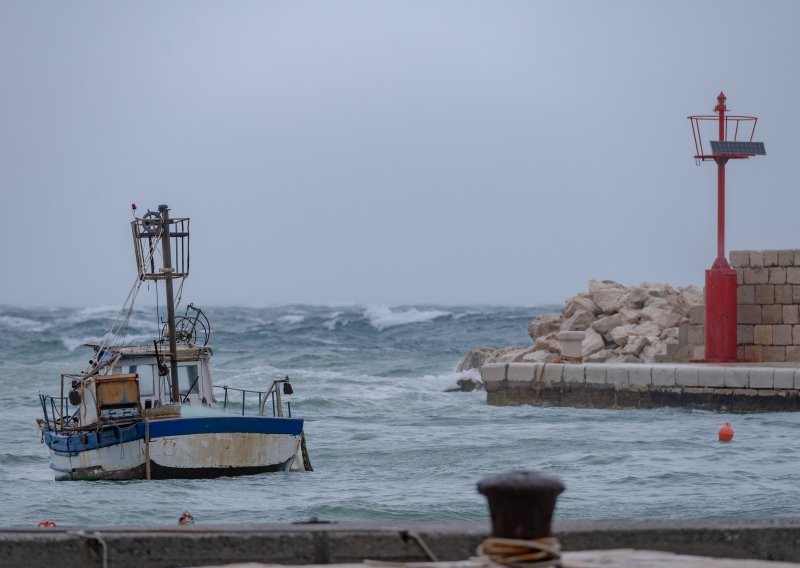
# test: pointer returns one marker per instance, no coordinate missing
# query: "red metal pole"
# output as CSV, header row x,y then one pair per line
x,y
720,322
720,210
721,108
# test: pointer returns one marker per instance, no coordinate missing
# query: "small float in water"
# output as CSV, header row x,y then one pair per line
x,y
152,411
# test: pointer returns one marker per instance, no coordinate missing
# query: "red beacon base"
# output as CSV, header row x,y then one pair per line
x,y
720,318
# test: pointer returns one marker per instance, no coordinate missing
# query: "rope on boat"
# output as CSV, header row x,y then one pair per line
x,y
304,450
119,328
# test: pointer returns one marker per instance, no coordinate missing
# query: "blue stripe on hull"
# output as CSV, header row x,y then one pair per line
x,y
112,435
223,425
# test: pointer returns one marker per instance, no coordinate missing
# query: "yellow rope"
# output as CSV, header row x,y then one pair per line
x,y
537,553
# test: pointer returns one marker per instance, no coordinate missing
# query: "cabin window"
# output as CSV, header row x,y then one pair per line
x,y
188,378
145,373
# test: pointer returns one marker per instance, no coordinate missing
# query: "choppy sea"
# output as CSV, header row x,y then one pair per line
x,y
385,438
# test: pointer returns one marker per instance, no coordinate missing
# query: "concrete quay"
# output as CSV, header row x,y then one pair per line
x,y
736,387
173,547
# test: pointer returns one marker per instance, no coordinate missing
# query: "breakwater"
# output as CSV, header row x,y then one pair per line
x,y
731,387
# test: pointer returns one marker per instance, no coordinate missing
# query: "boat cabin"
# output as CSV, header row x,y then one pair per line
x,y
194,376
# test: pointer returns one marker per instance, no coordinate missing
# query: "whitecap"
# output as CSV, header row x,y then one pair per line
x,y
382,317
292,319
460,315
71,344
23,324
94,312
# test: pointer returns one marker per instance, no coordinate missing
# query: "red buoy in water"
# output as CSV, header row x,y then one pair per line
x,y
726,433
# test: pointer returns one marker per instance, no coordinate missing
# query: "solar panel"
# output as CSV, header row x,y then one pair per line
x,y
729,147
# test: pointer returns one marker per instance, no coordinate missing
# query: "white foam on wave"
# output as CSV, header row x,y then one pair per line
x,y
292,319
92,313
382,317
333,321
447,380
460,315
22,324
71,343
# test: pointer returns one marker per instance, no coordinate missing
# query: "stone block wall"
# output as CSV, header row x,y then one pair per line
x,y
768,309
768,313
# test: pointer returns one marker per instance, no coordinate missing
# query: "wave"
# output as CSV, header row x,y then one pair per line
x,y
71,343
22,324
382,317
292,319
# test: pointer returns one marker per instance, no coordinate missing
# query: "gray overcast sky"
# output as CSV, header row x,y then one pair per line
x,y
387,152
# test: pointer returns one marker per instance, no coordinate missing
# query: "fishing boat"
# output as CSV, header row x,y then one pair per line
x,y
151,411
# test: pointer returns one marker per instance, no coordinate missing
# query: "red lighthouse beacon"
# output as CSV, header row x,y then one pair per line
x,y
734,142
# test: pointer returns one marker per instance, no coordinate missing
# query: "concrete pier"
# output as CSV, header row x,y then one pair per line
x,y
172,547
738,387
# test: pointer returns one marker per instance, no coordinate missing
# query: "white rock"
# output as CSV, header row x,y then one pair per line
x,y
623,358
669,335
692,295
607,294
592,343
600,356
544,324
657,290
579,321
635,345
647,328
635,298
629,315
540,356
507,355
639,321
670,302
661,317
606,324
620,334
548,342
659,345
579,302
650,353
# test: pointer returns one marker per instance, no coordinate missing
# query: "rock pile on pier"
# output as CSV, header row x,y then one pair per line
x,y
622,325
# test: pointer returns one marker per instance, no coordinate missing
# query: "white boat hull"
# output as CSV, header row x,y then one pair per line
x,y
183,453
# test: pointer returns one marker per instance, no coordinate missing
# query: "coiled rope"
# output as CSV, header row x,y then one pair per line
x,y
491,553
537,553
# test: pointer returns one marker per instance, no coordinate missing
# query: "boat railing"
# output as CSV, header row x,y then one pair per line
x,y
57,412
245,399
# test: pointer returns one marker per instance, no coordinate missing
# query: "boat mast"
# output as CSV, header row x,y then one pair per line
x,y
173,344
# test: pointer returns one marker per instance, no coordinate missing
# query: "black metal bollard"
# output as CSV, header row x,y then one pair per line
x,y
521,503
